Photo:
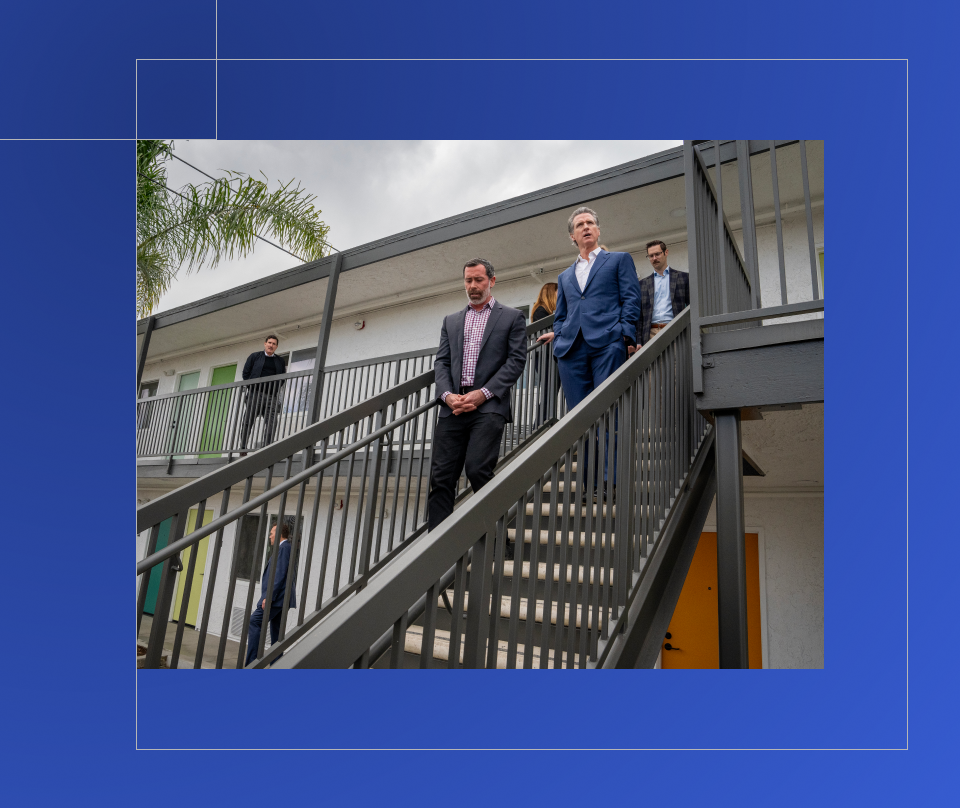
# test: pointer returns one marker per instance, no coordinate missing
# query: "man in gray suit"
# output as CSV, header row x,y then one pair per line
x,y
483,349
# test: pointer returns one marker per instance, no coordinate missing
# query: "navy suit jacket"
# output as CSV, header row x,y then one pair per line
x,y
605,311
503,355
679,298
280,580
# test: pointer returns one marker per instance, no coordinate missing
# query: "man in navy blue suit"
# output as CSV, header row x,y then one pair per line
x,y
598,305
276,601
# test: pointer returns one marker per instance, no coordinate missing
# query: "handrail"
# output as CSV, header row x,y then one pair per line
x,y
650,399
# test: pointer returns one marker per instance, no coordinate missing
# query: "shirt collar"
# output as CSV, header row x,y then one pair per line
x,y
487,305
592,254
666,272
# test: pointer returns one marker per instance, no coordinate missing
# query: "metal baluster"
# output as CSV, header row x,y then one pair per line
x,y
397,647
338,569
329,528
518,543
459,588
496,585
429,628
271,579
536,521
262,530
211,582
187,588
232,579
569,500
311,541
776,210
577,612
548,571
145,578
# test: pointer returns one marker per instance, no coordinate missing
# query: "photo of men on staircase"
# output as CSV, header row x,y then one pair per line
x,y
708,552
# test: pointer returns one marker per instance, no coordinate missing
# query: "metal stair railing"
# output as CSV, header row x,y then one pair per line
x,y
353,492
210,421
642,426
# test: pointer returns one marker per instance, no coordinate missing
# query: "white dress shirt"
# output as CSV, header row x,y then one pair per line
x,y
584,266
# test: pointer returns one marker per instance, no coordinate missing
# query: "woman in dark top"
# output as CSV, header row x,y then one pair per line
x,y
546,302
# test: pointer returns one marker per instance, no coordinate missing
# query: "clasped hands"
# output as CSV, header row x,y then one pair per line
x,y
465,403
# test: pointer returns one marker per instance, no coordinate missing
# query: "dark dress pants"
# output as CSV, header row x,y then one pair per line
x,y
470,440
256,621
582,370
260,404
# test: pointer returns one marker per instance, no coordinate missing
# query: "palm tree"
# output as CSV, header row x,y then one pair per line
x,y
202,224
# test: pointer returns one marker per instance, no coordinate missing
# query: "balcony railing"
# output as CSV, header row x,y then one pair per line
x,y
725,282
247,415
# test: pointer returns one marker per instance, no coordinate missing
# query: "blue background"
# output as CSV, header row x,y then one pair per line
x,y
76,711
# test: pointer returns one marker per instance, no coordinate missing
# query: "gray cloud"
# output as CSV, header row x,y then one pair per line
x,y
371,189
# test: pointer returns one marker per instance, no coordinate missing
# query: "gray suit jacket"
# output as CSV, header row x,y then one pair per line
x,y
503,354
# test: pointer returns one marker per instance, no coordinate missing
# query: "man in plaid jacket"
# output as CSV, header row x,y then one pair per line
x,y
663,295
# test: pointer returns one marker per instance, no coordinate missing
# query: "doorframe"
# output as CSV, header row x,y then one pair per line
x,y
215,368
762,572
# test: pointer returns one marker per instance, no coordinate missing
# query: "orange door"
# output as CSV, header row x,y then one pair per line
x,y
694,633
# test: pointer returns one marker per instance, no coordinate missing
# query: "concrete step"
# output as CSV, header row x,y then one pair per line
x,y
508,569
545,537
597,508
413,644
539,609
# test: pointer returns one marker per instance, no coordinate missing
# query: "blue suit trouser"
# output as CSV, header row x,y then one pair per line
x,y
253,635
583,369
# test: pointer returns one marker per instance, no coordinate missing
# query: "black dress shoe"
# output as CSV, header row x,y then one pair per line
x,y
613,492
508,550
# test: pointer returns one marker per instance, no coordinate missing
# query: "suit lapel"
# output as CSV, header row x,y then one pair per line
x,y
491,322
598,262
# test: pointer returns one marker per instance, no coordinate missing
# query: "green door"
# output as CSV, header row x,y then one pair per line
x,y
196,584
153,587
218,406
184,413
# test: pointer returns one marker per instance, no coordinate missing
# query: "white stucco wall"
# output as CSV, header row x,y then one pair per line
x,y
792,570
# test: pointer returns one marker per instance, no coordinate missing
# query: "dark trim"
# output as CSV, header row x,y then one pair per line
x,y
144,347
775,334
803,307
791,373
649,170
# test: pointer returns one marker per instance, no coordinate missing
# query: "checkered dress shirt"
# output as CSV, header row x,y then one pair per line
x,y
473,325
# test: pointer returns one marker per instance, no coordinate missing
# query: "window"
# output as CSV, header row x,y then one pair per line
x,y
144,411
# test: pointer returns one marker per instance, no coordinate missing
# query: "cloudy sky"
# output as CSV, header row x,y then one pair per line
x,y
367,190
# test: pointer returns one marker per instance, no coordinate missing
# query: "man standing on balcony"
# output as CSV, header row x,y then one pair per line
x,y
598,303
276,598
263,400
483,350
663,295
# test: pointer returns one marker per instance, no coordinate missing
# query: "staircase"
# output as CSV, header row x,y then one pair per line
x,y
533,571
528,573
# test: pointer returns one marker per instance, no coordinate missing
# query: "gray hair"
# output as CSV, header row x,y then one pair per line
x,y
577,212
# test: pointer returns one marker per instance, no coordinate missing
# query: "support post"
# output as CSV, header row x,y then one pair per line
x,y
731,553
144,347
316,380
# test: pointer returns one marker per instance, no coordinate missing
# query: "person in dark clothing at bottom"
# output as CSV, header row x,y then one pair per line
x,y
263,400
276,599
482,354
